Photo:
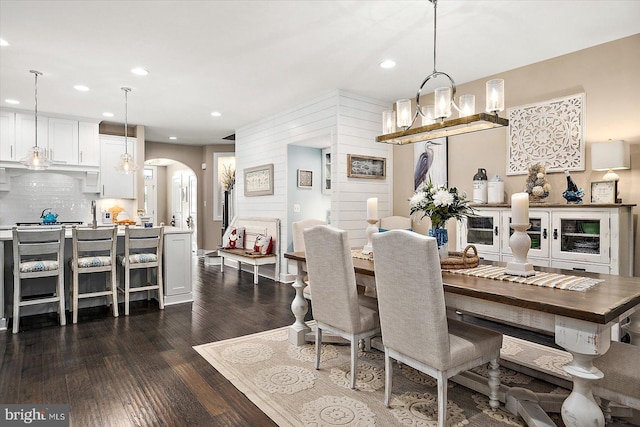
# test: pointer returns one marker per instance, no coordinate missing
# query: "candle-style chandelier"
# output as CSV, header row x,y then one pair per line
x,y
400,126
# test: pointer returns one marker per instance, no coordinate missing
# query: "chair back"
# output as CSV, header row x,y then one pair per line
x,y
411,301
298,227
139,241
91,242
38,243
332,278
395,223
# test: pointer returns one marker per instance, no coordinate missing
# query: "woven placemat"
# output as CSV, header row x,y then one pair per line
x,y
549,280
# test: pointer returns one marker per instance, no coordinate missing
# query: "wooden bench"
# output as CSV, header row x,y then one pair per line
x,y
254,226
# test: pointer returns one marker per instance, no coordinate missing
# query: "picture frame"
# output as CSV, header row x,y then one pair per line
x,y
604,192
368,167
258,181
430,159
305,178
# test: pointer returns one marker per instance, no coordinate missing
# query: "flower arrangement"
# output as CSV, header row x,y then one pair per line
x,y
440,204
537,185
228,177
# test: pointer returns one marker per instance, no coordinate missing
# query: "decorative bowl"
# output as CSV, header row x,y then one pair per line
x,y
591,227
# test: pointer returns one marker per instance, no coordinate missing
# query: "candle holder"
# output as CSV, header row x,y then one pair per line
x,y
520,243
371,228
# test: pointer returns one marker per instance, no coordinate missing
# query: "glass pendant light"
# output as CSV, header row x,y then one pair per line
x,y
127,164
36,158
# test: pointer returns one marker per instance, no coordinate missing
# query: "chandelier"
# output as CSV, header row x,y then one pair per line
x,y
127,164
401,126
36,158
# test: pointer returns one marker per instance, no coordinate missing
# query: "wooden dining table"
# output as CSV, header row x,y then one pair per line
x,y
581,322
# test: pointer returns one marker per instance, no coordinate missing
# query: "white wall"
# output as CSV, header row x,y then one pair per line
x,y
352,123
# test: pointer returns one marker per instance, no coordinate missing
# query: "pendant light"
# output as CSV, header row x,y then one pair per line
x,y
36,158
127,163
434,123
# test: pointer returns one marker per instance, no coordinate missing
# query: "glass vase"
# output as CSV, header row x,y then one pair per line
x,y
442,238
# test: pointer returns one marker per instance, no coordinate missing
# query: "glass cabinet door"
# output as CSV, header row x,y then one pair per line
x,y
483,231
581,236
538,232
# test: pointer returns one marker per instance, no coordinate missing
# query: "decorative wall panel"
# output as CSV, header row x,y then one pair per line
x,y
549,132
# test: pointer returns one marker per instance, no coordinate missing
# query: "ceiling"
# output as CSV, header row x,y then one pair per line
x,y
251,59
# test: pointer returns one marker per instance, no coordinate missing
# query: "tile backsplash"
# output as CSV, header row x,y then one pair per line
x,y
32,192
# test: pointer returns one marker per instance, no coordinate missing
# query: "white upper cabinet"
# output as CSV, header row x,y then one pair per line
x,y
88,144
115,185
63,141
25,134
7,134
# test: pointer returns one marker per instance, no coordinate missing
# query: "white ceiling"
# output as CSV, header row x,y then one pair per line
x,y
251,59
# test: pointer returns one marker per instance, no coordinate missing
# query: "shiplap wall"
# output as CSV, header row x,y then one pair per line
x,y
351,122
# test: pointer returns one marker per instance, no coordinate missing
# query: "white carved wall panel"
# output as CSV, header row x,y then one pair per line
x,y
549,132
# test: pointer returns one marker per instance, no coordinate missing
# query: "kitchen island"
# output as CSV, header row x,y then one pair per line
x,y
177,268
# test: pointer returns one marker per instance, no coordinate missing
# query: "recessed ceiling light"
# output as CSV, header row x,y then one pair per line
x,y
3,42
216,114
139,71
107,114
81,88
12,101
173,137
388,63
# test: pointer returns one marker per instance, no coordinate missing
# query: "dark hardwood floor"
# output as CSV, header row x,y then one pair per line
x,y
142,369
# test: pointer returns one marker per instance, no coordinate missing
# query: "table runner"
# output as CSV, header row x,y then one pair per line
x,y
549,280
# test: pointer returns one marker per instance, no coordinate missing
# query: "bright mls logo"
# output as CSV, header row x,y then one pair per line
x,y
38,415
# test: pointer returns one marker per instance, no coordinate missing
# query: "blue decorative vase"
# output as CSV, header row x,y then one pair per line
x,y
442,238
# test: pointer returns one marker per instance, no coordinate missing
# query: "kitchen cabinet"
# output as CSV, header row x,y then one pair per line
x,y
88,144
25,134
593,238
177,267
63,141
115,185
7,134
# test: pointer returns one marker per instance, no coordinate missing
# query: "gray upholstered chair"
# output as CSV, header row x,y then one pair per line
x,y
395,223
298,241
413,319
336,307
38,252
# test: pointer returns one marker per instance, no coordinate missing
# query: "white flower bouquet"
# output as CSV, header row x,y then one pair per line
x,y
440,204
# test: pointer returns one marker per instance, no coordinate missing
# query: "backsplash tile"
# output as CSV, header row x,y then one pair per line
x,y
32,192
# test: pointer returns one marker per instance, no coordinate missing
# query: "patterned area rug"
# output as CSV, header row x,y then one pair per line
x,y
281,380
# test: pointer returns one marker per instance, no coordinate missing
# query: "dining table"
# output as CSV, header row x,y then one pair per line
x,y
581,322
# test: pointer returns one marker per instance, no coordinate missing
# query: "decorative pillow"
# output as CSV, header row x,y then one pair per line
x,y
94,261
233,238
263,244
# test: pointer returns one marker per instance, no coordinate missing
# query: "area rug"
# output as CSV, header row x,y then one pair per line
x,y
281,380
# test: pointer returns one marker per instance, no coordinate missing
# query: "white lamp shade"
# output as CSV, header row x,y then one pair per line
x,y
610,155
403,113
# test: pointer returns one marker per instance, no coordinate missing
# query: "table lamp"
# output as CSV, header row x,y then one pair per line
x,y
609,156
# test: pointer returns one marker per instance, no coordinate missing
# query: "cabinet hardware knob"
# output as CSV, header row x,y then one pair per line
x,y
544,233
555,234
495,231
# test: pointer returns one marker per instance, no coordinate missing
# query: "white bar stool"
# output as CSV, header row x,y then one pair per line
x,y
38,252
94,251
142,249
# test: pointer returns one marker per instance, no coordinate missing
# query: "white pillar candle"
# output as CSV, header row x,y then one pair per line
x,y
520,208
372,208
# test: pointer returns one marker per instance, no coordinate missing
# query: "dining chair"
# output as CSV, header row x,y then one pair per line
x,y
298,242
142,249
336,306
413,319
93,251
38,252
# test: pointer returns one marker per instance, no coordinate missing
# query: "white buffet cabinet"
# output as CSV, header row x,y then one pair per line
x,y
592,238
177,272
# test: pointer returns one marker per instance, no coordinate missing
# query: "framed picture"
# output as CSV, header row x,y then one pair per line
x,y
430,162
366,167
604,192
258,181
305,178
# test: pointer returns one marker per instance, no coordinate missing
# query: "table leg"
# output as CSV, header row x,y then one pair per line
x,y
585,341
221,264
299,307
255,274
